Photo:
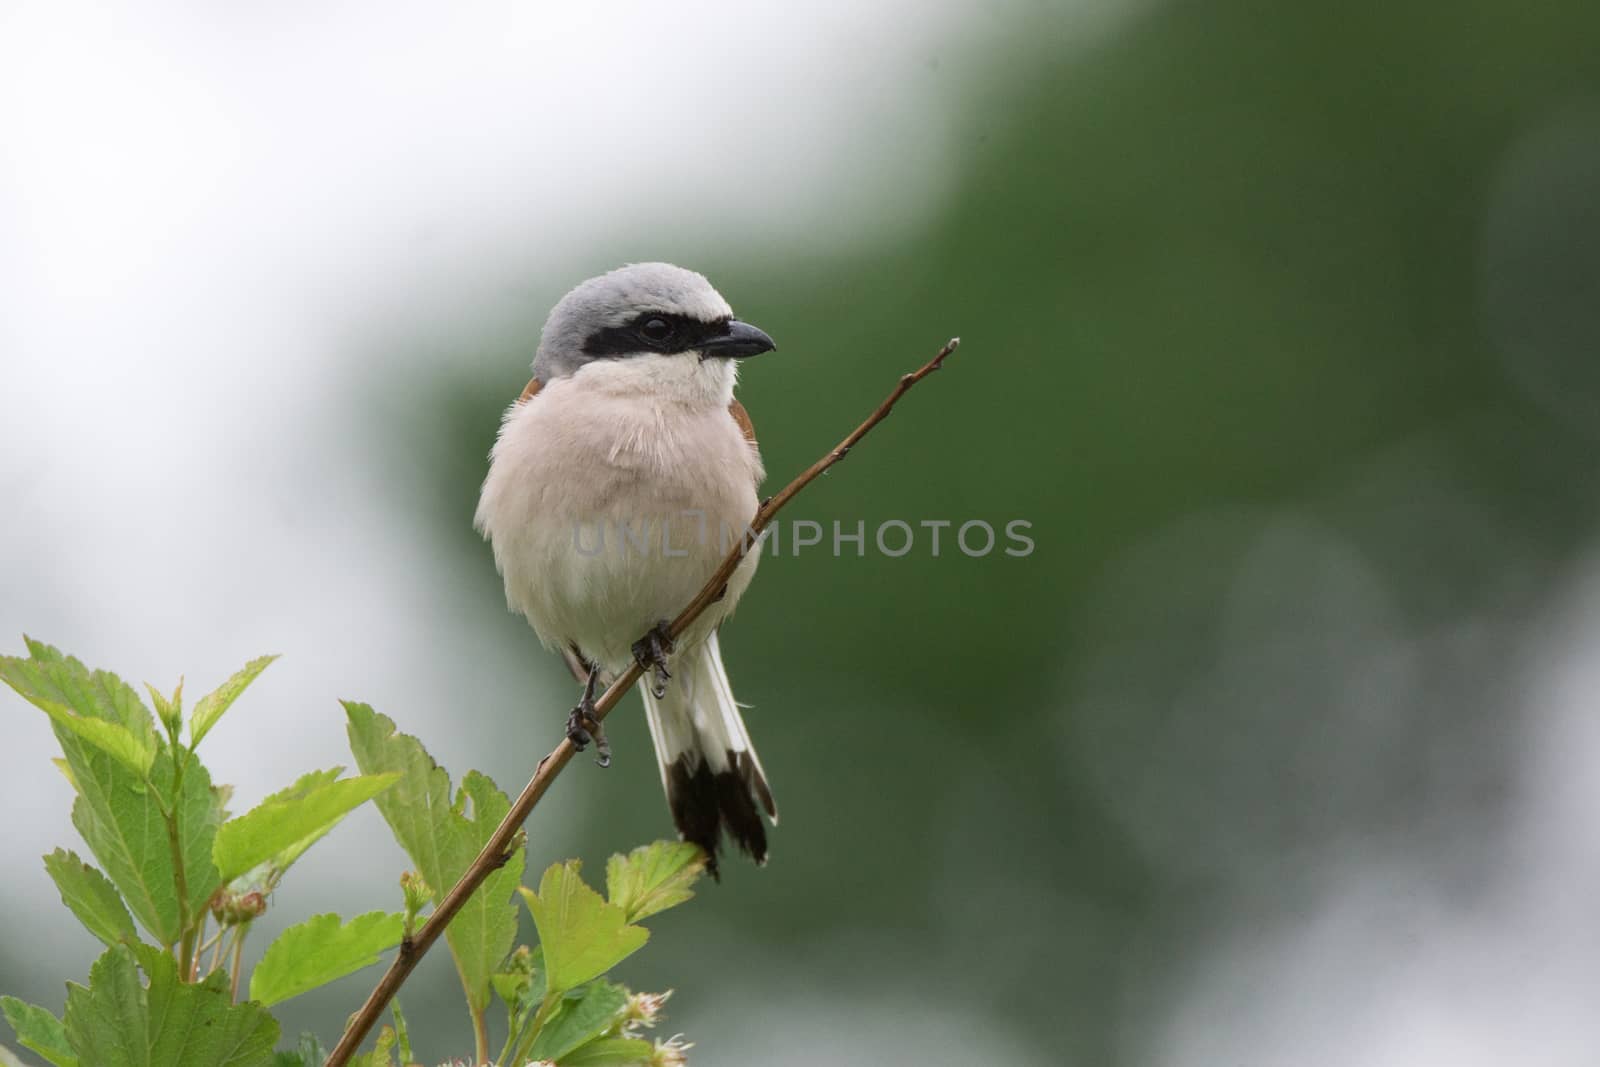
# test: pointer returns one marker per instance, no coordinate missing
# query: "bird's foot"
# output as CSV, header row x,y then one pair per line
x,y
583,725
650,652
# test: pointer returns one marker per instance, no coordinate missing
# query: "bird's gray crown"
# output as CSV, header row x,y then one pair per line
x,y
603,317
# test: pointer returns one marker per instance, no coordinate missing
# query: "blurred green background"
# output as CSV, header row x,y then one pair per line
x,y
1280,327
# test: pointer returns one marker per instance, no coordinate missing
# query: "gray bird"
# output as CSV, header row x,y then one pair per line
x,y
620,479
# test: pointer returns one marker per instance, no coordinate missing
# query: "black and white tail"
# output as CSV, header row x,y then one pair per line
x,y
709,769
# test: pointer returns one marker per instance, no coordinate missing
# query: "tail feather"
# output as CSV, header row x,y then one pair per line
x,y
709,769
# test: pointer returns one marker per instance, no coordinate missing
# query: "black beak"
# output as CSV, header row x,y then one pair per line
x,y
739,340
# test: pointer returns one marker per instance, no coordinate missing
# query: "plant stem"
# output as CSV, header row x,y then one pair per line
x,y
480,1034
180,878
216,949
193,974
497,850
238,960
531,1033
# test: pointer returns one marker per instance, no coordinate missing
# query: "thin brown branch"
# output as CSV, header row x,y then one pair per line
x,y
500,844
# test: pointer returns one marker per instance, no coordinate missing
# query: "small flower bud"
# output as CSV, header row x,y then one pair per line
x,y
671,1052
232,909
644,1009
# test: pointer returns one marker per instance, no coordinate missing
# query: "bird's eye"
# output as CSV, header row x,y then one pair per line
x,y
656,330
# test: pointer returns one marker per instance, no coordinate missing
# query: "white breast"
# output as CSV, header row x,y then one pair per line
x,y
613,494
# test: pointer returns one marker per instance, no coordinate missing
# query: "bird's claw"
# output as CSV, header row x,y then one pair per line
x,y
583,725
650,652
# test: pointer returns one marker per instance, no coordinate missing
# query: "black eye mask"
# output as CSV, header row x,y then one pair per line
x,y
683,334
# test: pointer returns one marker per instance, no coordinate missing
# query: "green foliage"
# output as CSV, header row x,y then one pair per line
x,y
117,1021
192,812
279,829
320,950
168,709
171,859
382,1054
443,838
219,700
610,1052
581,934
91,897
308,1053
581,1015
654,877
94,707
40,1031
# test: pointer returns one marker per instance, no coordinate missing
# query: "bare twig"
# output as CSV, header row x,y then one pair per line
x,y
500,845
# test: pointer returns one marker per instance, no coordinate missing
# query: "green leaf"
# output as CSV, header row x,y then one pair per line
x,y
213,704
91,897
39,1030
168,709
66,771
120,817
653,878
582,936
443,838
581,1016
320,950
284,825
611,1052
308,1053
118,1022
95,707
119,808
402,1037
197,809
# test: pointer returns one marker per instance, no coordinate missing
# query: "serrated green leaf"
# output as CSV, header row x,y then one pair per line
x,y
654,877
582,1015
213,704
118,1022
119,807
120,818
284,825
95,707
39,1030
168,709
90,896
320,950
443,838
308,1053
311,1048
582,936
402,1038
611,1052
66,771
195,807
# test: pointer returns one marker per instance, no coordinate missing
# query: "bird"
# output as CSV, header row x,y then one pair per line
x,y
618,482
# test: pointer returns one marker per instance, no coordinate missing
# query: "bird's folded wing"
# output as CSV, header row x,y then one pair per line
x,y
742,417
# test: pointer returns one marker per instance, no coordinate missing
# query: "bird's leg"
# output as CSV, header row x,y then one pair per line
x,y
650,653
583,726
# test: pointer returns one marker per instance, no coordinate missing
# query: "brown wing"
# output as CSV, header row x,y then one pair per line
x,y
530,391
742,417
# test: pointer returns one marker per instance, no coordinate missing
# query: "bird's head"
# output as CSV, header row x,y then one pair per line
x,y
646,320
